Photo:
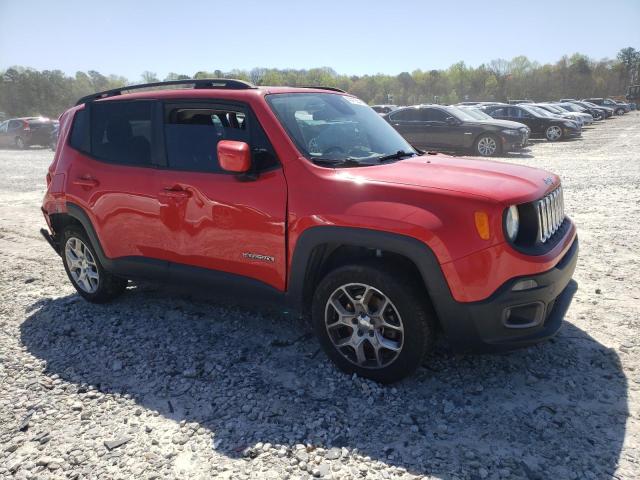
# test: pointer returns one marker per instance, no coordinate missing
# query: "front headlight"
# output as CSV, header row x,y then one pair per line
x,y
510,131
512,223
570,124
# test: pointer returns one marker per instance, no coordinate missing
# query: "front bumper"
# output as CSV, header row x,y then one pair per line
x,y
514,142
572,132
510,319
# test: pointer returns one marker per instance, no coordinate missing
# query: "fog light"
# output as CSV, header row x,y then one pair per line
x,y
524,285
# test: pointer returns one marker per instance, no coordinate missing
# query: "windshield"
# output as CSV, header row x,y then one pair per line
x,y
326,126
541,112
571,107
476,114
552,108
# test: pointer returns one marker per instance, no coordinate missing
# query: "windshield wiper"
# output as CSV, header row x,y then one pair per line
x,y
395,156
344,162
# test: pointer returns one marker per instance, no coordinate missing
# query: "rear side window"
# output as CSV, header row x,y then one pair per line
x,y
79,138
192,134
121,132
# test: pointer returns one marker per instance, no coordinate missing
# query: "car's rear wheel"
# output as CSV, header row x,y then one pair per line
x,y
553,133
373,320
19,143
488,145
597,116
620,111
84,269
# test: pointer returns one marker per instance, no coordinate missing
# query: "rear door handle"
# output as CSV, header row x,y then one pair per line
x,y
86,181
175,193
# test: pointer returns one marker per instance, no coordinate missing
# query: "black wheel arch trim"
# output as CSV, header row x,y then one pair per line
x,y
77,212
419,253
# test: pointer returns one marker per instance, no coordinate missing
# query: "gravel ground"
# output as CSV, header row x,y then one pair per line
x,y
162,386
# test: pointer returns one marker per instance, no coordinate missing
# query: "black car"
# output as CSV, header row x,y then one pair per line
x,y
24,132
541,122
596,112
619,108
453,128
607,111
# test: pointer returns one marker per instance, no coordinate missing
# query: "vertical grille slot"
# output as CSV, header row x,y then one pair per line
x,y
550,213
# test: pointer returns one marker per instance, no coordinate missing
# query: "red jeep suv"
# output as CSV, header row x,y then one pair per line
x,y
310,197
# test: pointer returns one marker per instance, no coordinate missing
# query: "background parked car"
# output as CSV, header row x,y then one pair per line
x,y
24,132
609,112
576,106
541,124
618,108
53,138
581,118
453,128
518,102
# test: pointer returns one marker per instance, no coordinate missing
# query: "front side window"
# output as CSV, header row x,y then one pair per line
x,y
121,132
3,126
192,135
407,115
326,126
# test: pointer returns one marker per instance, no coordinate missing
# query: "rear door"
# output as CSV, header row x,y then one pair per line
x,y
112,177
222,221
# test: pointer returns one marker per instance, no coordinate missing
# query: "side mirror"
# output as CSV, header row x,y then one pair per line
x,y
234,156
451,121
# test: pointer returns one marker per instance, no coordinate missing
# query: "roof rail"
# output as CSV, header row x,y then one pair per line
x,y
320,87
222,83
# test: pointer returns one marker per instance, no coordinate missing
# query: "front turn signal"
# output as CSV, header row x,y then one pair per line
x,y
482,225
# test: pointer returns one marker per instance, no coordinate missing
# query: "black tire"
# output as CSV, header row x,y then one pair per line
x,y
108,285
19,143
620,111
407,298
484,137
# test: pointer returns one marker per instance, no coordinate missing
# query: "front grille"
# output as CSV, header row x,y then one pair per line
x,y
550,212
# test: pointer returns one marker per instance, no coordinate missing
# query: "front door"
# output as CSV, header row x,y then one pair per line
x,y
222,221
408,122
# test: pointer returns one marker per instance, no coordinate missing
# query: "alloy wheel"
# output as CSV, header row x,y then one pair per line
x,y
554,133
487,146
364,325
82,265
19,143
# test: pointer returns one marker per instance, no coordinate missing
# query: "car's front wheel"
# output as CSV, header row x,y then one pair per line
x,y
553,133
373,320
488,145
84,269
19,143
620,111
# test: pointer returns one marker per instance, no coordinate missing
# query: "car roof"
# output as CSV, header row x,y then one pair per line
x,y
223,94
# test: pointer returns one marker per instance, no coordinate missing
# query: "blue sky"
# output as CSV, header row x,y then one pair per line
x,y
353,37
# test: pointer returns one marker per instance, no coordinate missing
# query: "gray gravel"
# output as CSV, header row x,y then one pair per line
x,y
162,386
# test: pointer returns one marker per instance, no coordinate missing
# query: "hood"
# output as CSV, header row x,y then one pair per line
x,y
495,181
498,123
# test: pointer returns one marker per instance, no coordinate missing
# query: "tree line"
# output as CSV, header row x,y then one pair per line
x,y
25,91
